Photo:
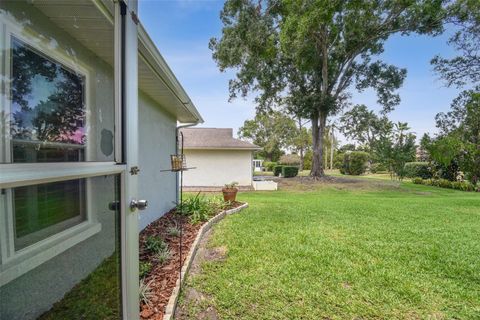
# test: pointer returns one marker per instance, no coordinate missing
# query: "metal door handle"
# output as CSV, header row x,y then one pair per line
x,y
138,204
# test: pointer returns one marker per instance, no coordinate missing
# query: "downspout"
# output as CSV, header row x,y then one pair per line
x,y
177,182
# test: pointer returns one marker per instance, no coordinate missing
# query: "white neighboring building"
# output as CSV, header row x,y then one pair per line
x,y
218,158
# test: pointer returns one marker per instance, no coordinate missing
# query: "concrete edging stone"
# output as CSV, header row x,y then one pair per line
x,y
172,302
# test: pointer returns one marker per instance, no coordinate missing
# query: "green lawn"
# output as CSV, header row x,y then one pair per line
x,y
369,250
95,297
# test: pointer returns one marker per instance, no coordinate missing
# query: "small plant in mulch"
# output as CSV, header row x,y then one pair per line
x,y
173,231
145,291
160,249
162,256
144,268
155,244
201,208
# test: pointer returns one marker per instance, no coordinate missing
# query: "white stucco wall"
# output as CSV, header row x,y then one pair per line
x,y
218,167
156,144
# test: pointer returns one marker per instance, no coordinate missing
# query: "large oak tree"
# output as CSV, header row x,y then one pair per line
x,y
313,52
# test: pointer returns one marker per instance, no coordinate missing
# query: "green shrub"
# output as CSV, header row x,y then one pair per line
x,y
463,186
277,170
200,208
268,165
428,182
417,169
377,168
444,183
355,163
289,171
144,268
307,160
289,160
338,160
155,244
417,180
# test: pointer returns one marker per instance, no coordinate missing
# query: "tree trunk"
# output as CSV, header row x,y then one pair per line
x,y
325,161
319,120
332,144
301,148
301,159
318,129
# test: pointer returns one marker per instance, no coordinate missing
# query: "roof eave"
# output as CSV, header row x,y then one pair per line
x,y
151,53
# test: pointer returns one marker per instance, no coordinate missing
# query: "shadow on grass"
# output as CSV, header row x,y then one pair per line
x,y
97,296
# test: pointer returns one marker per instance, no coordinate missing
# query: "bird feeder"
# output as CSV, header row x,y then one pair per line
x,y
178,162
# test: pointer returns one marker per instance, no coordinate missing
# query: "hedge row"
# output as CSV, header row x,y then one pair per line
x,y
418,169
354,163
268,165
378,168
277,170
285,171
444,183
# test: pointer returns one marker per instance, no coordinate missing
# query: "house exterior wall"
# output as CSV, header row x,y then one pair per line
x,y
218,167
34,292
156,144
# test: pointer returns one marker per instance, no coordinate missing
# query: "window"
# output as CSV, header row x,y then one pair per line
x,y
51,120
58,176
43,210
47,118
47,123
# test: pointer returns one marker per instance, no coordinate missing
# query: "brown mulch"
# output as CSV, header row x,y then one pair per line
x,y
165,275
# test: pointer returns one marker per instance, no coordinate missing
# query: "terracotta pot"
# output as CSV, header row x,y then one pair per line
x,y
229,194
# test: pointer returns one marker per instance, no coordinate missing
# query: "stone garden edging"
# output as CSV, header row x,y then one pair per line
x,y
172,302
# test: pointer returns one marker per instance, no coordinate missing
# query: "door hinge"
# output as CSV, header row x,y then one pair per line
x,y
134,170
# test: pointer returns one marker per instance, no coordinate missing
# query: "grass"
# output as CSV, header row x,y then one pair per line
x,y
368,250
95,297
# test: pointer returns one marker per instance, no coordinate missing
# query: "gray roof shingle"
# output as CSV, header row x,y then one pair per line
x,y
214,138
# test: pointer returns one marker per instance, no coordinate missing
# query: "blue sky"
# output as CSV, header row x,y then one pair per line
x,y
181,30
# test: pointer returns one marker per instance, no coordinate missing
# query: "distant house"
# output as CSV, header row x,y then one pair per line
x,y
218,157
257,165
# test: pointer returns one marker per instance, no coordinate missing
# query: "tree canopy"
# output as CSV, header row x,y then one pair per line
x,y
364,126
273,132
395,148
464,68
459,138
311,53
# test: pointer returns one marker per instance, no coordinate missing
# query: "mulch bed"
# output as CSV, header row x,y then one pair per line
x,y
165,275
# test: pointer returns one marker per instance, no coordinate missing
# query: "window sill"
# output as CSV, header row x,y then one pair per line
x,y
21,174
33,256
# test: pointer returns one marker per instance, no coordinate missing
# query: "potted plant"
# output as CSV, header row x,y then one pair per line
x,y
230,192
